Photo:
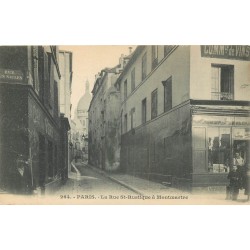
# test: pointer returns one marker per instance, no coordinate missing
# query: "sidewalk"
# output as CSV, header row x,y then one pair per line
x,y
145,187
139,185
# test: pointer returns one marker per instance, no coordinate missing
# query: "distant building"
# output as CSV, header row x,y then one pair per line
x,y
104,119
31,129
80,133
65,89
82,109
184,112
65,86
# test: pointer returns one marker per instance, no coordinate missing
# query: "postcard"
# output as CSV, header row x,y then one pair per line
x,y
144,124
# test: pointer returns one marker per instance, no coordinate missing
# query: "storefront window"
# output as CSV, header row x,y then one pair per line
x,y
218,149
241,143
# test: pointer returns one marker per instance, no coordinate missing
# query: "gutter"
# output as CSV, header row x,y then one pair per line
x,y
55,61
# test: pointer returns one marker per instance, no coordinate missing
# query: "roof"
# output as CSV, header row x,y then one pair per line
x,y
132,57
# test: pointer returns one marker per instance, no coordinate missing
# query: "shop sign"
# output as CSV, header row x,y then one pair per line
x,y
242,121
212,120
238,52
11,75
221,120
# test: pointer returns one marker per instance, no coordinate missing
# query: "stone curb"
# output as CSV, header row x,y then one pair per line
x,y
115,180
124,184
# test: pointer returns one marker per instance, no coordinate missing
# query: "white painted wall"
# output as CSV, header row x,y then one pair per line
x,y
200,76
64,88
176,65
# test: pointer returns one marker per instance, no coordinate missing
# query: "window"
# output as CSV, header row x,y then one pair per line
x,y
167,49
125,89
218,149
132,117
133,79
222,82
167,94
154,104
154,56
125,123
144,110
144,66
241,146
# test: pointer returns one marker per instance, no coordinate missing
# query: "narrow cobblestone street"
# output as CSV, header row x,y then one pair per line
x,y
90,182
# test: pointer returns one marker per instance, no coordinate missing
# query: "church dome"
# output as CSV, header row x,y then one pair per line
x,y
83,104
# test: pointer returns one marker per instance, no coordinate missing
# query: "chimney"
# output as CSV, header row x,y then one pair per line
x,y
97,75
130,50
121,60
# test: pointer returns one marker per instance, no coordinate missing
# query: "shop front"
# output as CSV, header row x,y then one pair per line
x,y
216,139
44,141
29,134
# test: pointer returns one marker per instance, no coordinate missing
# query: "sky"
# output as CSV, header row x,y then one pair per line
x,y
88,61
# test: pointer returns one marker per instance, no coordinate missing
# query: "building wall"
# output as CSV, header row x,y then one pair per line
x,y
41,125
96,130
112,127
65,65
65,82
145,149
14,136
104,140
29,104
9,59
168,146
200,75
51,81
176,65
161,148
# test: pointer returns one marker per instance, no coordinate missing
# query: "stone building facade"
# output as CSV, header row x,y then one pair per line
x,y
31,129
104,119
65,90
184,113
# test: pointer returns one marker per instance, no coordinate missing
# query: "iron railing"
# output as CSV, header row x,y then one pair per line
x,y
222,96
